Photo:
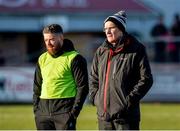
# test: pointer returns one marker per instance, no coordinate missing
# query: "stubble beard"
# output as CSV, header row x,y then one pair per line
x,y
55,49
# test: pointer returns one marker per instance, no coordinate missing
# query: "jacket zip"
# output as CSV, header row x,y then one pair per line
x,y
107,77
114,69
111,53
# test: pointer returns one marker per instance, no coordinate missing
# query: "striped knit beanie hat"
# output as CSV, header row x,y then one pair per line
x,y
119,19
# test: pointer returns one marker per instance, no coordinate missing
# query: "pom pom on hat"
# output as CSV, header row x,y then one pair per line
x,y
119,19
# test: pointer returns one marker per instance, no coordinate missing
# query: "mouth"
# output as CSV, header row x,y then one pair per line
x,y
109,35
50,46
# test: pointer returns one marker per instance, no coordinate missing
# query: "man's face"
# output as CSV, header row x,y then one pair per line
x,y
113,33
53,42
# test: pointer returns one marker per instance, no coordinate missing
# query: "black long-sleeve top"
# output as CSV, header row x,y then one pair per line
x,y
72,105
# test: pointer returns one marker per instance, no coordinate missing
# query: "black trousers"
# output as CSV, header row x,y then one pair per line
x,y
118,125
55,122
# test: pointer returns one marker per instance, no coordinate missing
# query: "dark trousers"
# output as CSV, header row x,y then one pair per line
x,y
117,125
55,122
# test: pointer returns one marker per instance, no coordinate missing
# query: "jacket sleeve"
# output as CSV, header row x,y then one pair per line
x,y
80,73
145,79
94,79
37,87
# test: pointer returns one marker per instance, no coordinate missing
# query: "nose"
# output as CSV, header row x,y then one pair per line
x,y
108,31
48,43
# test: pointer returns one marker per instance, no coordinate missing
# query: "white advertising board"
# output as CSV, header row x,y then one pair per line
x,y
166,86
16,84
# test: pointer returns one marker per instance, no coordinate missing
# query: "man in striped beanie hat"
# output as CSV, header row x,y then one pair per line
x,y
120,77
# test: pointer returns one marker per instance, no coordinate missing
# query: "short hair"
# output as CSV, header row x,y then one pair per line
x,y
53,28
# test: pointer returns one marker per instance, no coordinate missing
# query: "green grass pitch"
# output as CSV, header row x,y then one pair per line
x,y
153,116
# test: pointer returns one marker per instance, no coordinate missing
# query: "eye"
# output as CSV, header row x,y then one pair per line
x,y
109,28
45,40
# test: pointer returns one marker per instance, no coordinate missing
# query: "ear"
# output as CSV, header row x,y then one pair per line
x,y
61,36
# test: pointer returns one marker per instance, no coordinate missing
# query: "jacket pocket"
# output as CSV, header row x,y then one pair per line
x,y
119,103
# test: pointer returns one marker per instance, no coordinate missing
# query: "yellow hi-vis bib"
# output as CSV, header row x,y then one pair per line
x,y
57,78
